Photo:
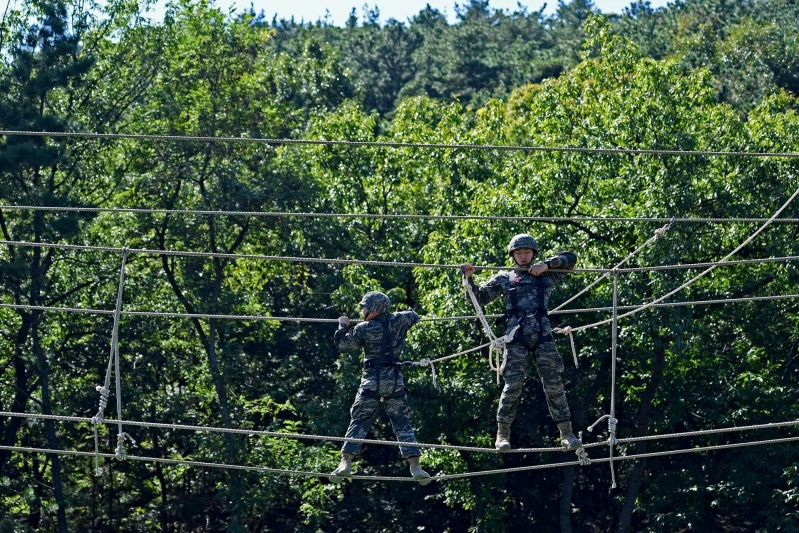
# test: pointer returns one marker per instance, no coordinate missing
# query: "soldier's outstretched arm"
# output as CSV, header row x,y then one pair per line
x,y
561,261
488,291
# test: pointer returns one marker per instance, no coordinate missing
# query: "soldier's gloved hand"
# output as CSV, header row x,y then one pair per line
x,y
537,270
468,269
343,321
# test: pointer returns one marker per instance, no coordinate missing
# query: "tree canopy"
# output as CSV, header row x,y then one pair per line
x,y
695,76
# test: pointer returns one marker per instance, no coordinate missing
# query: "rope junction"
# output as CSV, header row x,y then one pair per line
x,y
391,144
393,216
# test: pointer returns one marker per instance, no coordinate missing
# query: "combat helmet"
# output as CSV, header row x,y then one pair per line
x,y
376,302
521,241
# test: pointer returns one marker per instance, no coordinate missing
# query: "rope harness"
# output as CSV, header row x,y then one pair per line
x,y
496,346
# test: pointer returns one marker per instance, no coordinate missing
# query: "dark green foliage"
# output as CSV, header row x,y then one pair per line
x,y
694,76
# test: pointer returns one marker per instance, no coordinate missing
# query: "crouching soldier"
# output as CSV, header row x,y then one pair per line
x,y
382,338
526,290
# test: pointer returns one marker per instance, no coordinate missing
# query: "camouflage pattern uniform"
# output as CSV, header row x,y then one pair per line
x,y
379,382
532,296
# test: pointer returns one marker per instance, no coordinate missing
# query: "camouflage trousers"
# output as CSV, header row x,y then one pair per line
x,y
395,402
550,368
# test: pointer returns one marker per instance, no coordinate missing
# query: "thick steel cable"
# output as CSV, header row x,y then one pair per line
x,y
393,216
445,477
695,278
392,144
658,233
260,257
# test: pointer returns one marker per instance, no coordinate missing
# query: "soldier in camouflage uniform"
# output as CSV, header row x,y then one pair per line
x,y
526,290
382,338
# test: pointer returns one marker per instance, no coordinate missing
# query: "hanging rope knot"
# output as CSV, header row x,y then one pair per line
x,y
612,422
104,393
662,231
120,454
582,456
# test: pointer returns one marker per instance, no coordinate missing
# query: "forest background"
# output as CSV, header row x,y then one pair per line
x,y
698,75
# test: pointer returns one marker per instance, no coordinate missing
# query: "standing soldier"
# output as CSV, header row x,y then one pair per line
x,y
382,338
526,290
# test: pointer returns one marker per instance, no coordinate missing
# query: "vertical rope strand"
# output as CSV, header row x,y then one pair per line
x,y
614,341
120,452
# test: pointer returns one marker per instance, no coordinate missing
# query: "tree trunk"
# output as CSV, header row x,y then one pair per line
x,y
52,440
642,428
570,472
11,428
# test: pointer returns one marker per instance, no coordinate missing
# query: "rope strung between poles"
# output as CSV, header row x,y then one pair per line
x,y
431,363
391,216
303,436
392,144
568,330
159,314
695,278
260,257
299,436
497,344
444,477
397,264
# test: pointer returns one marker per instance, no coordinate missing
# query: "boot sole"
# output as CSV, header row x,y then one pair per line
x,y
338,478
423,480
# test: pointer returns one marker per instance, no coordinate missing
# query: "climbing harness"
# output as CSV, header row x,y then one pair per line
x,y
385,359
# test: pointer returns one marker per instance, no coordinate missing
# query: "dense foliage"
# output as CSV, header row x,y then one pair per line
x,y
700,75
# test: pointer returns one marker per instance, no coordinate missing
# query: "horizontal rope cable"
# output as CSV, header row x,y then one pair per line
x,y
392,144
388,216
335,320
284,258
681,266
752,427
444,477
278,434
251,432
691,281
294,259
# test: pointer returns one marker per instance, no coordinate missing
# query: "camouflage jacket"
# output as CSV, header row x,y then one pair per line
x,y
532,292
369,335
